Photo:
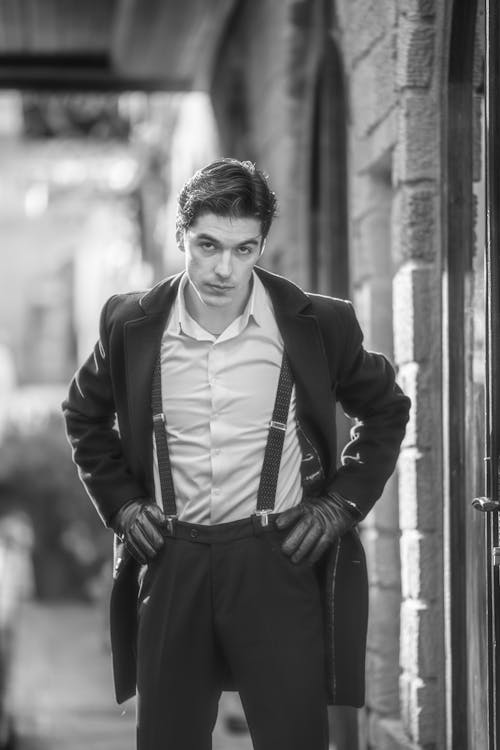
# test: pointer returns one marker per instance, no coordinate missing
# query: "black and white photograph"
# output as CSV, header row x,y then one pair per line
x,y
249,422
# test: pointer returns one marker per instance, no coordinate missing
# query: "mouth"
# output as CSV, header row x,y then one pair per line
x,y
220,287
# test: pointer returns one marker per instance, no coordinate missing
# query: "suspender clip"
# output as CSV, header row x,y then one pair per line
x,y
264,516
277,425
159,417
170,524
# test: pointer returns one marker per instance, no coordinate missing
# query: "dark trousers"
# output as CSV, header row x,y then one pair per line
x,y
222,598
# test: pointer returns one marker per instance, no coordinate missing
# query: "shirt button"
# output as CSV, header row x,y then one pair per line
x,y
216,491
217,452
193,533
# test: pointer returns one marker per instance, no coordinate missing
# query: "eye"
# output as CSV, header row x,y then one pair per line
x,y
206,245
245,250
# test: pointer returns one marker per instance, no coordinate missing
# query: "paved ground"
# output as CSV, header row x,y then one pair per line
x,y
63,697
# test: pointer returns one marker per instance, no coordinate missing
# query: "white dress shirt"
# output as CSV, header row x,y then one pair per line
x,y
218,396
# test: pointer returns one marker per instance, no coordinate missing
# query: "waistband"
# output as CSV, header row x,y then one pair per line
x,y
222,532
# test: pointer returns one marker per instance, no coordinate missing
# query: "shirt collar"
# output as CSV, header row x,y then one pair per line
x,y
257,308
257,303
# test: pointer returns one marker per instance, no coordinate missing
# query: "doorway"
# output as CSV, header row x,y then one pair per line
x,y
328,257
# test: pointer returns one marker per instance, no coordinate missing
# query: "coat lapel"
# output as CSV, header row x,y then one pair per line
x,y
142,340
304,344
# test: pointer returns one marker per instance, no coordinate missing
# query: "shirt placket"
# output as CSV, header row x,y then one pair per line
x,y
214,366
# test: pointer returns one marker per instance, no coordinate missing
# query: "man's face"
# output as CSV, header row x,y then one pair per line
x,y
221,252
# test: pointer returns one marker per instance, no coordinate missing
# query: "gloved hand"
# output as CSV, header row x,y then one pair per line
x,y
318,523
140,523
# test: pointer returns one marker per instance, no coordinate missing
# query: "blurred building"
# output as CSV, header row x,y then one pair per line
x,y
370,119
59,197
88,192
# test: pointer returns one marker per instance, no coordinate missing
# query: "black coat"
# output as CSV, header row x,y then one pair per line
x,y
109,424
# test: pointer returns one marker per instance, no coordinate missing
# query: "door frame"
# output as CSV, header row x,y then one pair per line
x,y
492,250
457,224
458,227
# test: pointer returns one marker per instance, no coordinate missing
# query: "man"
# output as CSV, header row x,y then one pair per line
x,y
237,560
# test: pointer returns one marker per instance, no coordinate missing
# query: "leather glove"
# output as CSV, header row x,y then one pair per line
x,y
140,523
318,522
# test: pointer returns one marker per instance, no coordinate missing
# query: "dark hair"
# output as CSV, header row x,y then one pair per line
x,y
226,187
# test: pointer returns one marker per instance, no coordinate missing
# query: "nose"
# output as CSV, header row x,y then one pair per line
x,y
224,266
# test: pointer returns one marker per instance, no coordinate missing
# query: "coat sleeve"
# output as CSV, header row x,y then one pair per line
x,y
90,417
368,393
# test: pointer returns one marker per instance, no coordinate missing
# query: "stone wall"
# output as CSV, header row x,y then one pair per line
x,y
395,152
368,37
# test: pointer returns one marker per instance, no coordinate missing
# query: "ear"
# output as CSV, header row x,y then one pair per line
x,y
179,236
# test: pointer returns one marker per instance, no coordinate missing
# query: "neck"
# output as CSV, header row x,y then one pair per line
x,y
213,320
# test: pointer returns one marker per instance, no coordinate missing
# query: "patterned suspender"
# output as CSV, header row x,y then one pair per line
x,y
266,495
163,456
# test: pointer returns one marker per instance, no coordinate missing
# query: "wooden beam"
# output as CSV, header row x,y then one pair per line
x,y
75,73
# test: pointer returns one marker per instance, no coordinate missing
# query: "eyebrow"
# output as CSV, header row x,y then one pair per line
x,y
250,241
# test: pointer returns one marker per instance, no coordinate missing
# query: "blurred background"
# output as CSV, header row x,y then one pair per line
x,y
88,192
376,123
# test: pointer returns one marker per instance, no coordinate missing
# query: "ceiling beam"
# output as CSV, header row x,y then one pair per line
x,y
75,73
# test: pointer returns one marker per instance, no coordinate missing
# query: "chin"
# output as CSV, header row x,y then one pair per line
x,y
212,300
